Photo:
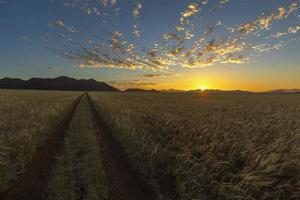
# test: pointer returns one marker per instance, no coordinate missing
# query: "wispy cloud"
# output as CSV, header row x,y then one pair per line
x,y
158,75
137,10
55,68
294,29
181,47
192,10
132,84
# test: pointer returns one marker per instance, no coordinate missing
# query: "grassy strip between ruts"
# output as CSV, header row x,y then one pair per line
x,y
79,172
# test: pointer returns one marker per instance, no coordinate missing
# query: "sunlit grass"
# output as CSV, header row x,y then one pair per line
x,y
79,172
25,120
216,147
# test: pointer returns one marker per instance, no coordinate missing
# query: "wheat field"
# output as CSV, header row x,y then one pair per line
x,y
186,146
223,146
26,117
78,173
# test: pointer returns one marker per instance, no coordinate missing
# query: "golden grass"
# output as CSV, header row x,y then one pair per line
x,y
79,172
235,146
26,117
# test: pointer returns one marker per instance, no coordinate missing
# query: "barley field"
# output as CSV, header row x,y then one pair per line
x,y
205,146
26,117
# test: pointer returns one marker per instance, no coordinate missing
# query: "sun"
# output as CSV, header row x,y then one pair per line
x,y
202,88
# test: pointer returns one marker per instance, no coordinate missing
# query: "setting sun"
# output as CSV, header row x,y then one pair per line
x,y
202,88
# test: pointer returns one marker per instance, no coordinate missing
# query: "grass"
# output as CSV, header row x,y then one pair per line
x,y
188,146
79,172
26,117
236,146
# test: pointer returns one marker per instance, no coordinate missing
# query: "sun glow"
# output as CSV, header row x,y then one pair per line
x,y
202,88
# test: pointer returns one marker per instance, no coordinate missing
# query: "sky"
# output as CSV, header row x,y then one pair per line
x,y
154,44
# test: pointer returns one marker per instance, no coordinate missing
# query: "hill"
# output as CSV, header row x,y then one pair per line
x,y
210,91
216,91
59,83
284,91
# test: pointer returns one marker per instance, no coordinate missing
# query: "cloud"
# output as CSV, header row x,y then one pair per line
x,y
204,2
294,29
293,7
263,48
107,2
192,10
183,46
132,84
158,75
265,21
24,37
282,13
278,35
291,30
219,5
235,59
55,68
60,23
137,10
136,32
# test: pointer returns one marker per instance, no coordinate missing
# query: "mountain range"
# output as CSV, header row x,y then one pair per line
x,y
59,83
216,91
72,84
284,91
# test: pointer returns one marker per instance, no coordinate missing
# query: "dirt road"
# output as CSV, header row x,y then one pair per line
x,y
126,183
32,185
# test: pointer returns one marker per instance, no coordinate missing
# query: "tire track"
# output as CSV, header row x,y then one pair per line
x,y
33,183
127,184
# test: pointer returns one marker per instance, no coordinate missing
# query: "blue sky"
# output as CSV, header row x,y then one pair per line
x,y
268,59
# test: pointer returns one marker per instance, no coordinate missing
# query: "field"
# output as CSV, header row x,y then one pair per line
x,y
79,172
150,145
210,146
25,119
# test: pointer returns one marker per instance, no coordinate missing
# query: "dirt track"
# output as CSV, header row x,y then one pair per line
x,y
33,183
127,184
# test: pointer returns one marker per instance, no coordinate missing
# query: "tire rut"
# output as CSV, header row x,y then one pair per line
x,y
32,185
127,184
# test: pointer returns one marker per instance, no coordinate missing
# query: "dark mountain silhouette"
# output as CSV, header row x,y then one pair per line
x,y
216,91
11,83
211,91
284,91
139,90
59,83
